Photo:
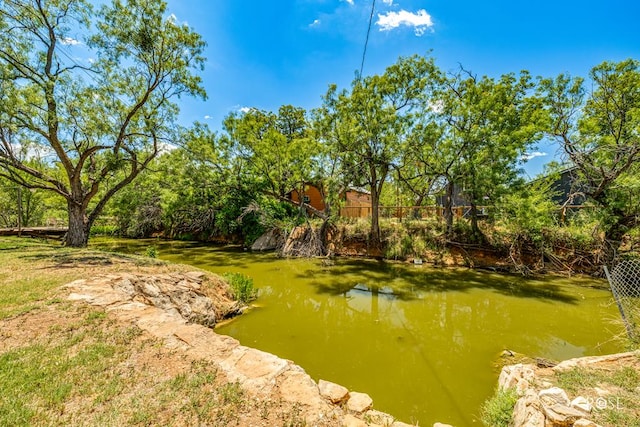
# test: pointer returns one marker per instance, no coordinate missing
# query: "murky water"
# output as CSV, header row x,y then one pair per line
x,y
422,342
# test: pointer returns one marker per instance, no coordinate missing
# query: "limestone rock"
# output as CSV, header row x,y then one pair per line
x,y
554,395
351,421
561,415
176,294
269,241
173,293
334,392
526,412
442,425
297,386
583,422
516,376
621,358
581,404
359,402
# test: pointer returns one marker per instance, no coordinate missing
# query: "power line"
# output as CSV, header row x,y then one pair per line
x,y
366,42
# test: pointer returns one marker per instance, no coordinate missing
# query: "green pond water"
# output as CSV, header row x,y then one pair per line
x,y
423,342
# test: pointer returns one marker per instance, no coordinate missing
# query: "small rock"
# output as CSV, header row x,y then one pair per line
x,y
442,425
545,363
516,376
526,413
334,392
561,415
582,404
196,275
400,424
554,395
583,422
359,402
351,421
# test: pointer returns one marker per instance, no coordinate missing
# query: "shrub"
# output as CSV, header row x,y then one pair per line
x,y
242,287
152,252
498,410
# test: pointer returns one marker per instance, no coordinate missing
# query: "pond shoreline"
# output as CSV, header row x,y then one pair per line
x,y
260,374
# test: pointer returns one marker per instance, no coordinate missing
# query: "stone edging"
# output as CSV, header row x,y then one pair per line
x,y
541,404
260,374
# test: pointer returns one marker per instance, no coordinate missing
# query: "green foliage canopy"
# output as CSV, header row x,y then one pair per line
x,y
100,123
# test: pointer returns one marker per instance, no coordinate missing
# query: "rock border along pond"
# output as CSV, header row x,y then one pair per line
x,y
173,308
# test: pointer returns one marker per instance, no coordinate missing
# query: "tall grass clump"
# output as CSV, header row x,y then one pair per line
x,y
242,287
498,410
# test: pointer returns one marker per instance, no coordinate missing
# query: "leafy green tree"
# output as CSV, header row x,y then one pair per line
x,y
431,161
370,122
100,123
597,123
276,148
137,209
491,123
20,207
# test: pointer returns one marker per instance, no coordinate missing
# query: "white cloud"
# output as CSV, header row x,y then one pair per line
x,y
388,2
528,156
208,117
244,109
68,41
315,23
349,1
420,21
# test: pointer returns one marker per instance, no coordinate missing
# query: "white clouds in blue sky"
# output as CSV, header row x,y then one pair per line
x,y
420,21
528,156
389,18
68,41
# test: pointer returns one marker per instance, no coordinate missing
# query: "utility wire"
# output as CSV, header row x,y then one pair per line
x,y
366,42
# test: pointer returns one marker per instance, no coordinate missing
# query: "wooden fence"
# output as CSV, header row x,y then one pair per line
x,y
409,212
424,212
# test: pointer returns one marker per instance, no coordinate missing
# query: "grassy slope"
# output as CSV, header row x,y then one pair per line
x,y
64,363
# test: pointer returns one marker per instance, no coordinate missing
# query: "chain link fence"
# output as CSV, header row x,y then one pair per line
x,y
624,280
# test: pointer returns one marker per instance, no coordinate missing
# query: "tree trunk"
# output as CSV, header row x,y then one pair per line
x,y
448,209
375,225
78,233
476,235
19,211
417,204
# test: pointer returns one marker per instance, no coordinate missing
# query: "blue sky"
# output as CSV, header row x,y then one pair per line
x,y
265,54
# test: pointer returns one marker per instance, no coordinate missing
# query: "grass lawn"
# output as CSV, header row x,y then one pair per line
x,y
64,363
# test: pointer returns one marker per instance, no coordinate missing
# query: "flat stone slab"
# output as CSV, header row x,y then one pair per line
x,y
359,402
334,392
